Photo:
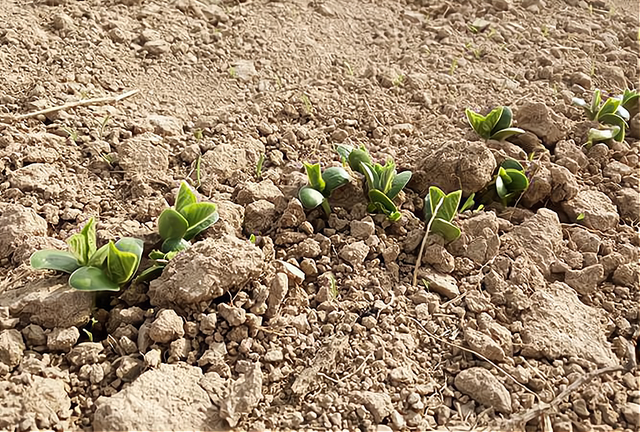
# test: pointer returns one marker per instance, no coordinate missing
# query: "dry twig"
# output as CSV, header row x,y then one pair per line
x,y
424,241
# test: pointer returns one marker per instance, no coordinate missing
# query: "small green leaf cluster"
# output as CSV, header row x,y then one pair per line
x,y
614,112
383,183
321,186
441,208
92,269
508,184
495,126
177,226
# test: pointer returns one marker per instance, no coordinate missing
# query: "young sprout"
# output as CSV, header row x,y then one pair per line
x,y
321,186
612,112
495,126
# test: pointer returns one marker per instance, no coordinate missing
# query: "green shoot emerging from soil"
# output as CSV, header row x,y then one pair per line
x,y
612,112
92,269
382,183
495,126
321,186
508,184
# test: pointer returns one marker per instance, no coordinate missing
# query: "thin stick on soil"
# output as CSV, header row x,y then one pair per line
x,y
424,241
86,102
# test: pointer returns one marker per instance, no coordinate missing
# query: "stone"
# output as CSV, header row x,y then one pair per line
x,y
166,125
479,240
355,253
536,117
143,154
596,207
582,79
34,336
402,375
249,192
62,339
243,395
277,293
274,356
244,70
558,325
565,186
230,163
362,229
166,398
628,202
631,413
484,344
86,353
378,404
626,275
37,177
208,323
586,280
484,388
167,326
444,285
17,225
259,217
235,316
206,271
11,348
157,47
456,165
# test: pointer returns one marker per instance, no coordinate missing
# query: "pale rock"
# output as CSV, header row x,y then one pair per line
x,y
166,125
11,347
355,253
362,229
484,388
167,327
484,345
243,395
208,323
536,117
277,293
62,339
249,192
86,353
444,285
17,225
259,217
596,207
235,316
378,404
586,280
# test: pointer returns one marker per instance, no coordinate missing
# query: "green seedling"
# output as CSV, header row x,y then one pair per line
x,y
443,216
398,81
259,166
601,135
495,126
508,184
198,134
177,226
611,112
382,183
308,107
453,67
92,269
73,134
232,72
580,217
321,186
630,99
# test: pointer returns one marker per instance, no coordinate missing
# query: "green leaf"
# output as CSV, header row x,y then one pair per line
x,y
52,259
476,121
623,113
501,189
506,133
386,205
512,164
449,207
386,176
502,173
202,225
370,175
310,198
519,181
446,229
185,197
315,177
132,245
343,150
504,122
92,279
172,224
334,177
468,204
399,182
609,107
630,99
492,120
395,216
615,120
197,212
151,273
99,257
600,135
174,245
357,157
83,244
595,103
431,201
121,265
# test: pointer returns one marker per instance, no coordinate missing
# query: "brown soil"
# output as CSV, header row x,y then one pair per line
x,y
506,324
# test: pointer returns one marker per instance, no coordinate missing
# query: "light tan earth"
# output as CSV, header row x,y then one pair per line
x,y
509,327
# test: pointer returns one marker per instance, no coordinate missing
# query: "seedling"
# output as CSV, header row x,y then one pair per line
x,y
232,72
580,217
382,183
398,81
177,226
308,107
198,134
630,99
495,126
442,218
321,186
92,269
601,135
259,167
611,112
349,68
508,184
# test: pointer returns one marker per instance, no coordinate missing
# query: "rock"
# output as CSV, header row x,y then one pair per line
x,y
86,353
498,333
443,284
585,281
355,253
143,154
129,368
439,258
582,79
631,413
540,186
243,395
484,388
230,222
62,339
17,225
277,293
166,125
539,238
412,16
208,323
32,399
457,165
598,210
537,118
293,215
259,217
626,275
565,185
559,325
49,302
402,375
249,192
244,70
585,240
479,240
230,163
235,316
11,348
34,336
484,344
628,202
274,356
167,326
157,47
362,229
166,398
37,177
206,271
378,404
568,150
